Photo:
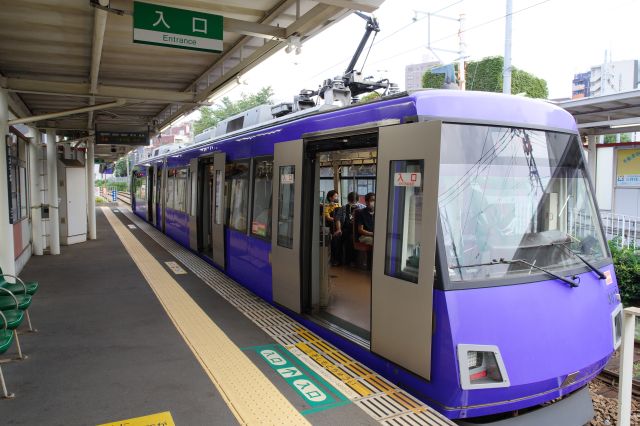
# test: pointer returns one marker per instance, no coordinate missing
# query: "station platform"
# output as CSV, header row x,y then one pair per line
x,y
133,325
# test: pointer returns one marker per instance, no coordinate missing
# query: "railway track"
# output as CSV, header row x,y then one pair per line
x,y
613,378
125,197
611,375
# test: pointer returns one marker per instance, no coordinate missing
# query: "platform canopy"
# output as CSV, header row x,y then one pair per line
x,y
78,56
608,114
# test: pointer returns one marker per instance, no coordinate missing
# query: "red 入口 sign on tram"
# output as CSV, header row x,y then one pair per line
x,y
407,179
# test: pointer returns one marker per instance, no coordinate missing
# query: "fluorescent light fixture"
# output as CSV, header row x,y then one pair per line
x,y
619,126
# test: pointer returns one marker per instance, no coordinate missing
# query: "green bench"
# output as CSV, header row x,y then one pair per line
x,y
6,338
19,288
14,313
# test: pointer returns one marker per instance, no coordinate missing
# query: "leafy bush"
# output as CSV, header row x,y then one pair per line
x,y
432,81
120,186
486,76
627,264
100,199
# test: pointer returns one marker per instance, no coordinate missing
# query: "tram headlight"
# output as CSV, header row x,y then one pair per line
x,y
616,322
481,367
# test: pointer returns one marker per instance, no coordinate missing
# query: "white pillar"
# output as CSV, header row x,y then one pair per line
x,y
52,175
35,193
7,256
626,365
591,146
91,191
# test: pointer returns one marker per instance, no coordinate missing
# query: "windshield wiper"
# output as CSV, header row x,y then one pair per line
x,y
598,272
546,271
502,261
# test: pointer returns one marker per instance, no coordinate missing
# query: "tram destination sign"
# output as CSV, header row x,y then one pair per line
x,y
179,28
122,138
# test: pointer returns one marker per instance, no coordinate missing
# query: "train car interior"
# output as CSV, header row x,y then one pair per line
x,y
342,262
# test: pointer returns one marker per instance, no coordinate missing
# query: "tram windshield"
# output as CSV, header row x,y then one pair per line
x,y
514,194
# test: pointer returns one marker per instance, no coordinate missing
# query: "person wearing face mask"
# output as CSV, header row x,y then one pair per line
x,y
345,215
365,220
330,208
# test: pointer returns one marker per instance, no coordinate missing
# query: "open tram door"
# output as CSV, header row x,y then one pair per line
x,y
405,243
285,237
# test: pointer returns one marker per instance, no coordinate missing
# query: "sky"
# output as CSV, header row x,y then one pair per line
x,y
552,39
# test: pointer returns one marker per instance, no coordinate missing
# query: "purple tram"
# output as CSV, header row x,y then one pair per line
x,y
489,290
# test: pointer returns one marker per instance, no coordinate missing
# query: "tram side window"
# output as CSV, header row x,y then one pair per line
x,y
404,219
180,201
16,162
170,189
262,196
140,186
286,206
237,191
158,185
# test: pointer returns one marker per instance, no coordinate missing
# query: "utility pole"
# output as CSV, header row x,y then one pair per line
x,y
506,73
461,46
461,72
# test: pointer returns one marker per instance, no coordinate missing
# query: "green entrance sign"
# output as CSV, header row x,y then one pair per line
x,y
179,28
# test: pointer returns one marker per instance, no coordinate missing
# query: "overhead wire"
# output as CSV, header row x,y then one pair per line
x,y
368,51
463,31
404,27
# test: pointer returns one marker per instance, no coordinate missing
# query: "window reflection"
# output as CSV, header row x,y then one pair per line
x,y
514,194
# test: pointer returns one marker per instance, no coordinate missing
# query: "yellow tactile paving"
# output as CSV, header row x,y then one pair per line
x,y
363,387
252,398
335,370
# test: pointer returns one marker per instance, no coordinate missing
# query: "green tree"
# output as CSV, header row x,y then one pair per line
x,y
627,266
210,117
486,76
121,167
624,137
371,96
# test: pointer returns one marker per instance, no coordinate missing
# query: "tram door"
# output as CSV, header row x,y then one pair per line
x,y
217,226
285,237
153,170
163,196
150,193
404,244
192,206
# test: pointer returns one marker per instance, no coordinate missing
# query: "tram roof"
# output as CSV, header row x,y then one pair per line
x,y
69,54
608,114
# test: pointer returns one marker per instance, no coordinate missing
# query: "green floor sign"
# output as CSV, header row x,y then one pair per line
x,y
315,391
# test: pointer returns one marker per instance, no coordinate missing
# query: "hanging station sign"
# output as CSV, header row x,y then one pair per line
x,y
179,28
122,138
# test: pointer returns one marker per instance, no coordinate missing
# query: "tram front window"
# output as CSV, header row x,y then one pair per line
x,y
514,194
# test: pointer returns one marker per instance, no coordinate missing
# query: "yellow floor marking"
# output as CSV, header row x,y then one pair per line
x,y
159,419
251,397
335,370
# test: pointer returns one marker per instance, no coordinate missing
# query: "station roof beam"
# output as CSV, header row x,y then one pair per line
x,y
70,55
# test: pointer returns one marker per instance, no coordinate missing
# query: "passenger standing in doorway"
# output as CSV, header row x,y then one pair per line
x,y
346,215
330,208
365,220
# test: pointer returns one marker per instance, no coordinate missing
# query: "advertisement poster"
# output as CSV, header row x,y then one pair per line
x,y
628,167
